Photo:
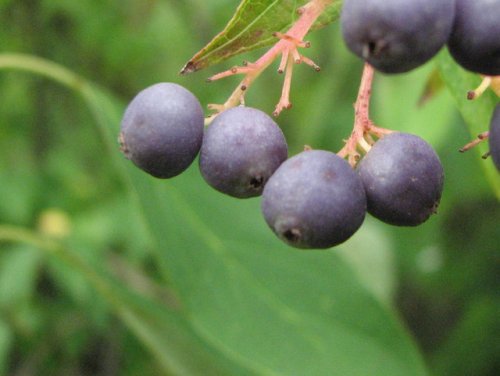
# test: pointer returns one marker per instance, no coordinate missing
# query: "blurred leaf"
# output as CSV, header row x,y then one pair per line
x,y
433,85
253,305
374,265
18,191
6,337
313,313
396,106
251,27
456,358
476,113
18,274
164,332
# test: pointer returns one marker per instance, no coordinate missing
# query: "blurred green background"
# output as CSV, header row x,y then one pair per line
x,y
86,274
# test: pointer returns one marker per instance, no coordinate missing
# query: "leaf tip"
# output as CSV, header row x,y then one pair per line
x,y
190,67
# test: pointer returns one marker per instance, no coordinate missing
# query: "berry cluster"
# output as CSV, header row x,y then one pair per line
x,y
312,200
319,199
162,132
396,36
316,200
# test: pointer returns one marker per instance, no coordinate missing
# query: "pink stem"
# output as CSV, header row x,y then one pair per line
x,y
309,14
362,121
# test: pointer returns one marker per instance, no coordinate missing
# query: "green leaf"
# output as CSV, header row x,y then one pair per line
x,y
252,26
271,309
250,304
476,113
403,113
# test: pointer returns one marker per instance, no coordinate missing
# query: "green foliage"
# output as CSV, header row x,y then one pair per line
x,y
476,113
106,270
252,26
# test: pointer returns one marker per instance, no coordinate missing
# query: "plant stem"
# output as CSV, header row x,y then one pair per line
x,y
42,67
287,45
480,138
363,126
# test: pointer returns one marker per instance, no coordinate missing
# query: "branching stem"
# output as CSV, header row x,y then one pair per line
x,y
287,47
364,129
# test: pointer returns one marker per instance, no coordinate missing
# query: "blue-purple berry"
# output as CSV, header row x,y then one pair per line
x,y
403,179
396,36
162,129
474,42
241,149
314,200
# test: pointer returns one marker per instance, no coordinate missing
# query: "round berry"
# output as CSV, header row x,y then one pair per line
x,y
396,36
314,200
162,129
241,149
403,179
474,42
494,137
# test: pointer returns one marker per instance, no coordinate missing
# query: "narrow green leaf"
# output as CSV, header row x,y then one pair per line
x,y
251,27
476,113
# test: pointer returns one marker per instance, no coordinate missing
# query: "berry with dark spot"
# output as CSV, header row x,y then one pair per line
x,y
403,179
314,200
241,149
396,36
474,42
162,129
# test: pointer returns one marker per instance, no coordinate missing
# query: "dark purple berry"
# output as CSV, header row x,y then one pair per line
x,y
403,179
162,129
314,200
241,149
494,137
396,36
474,42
